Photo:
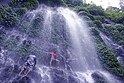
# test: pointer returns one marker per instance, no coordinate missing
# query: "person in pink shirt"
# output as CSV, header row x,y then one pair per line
x,y
53,57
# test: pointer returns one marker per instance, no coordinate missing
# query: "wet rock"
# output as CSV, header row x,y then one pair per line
x,y
35,76
27,42
121,61
6,73
16,69
98,77
25,80
61,76
22,80
58,76
120,51
72,79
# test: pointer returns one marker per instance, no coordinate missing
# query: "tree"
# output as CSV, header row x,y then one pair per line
x,y
122,5
112,9
95,10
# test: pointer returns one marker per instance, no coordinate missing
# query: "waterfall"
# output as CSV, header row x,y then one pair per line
x,y
61,30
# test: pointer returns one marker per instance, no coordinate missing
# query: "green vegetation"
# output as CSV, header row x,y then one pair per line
x,y
20,11
98,23
73,3
115,32
53,2
95,13
106,56
29,4
7,16
115,14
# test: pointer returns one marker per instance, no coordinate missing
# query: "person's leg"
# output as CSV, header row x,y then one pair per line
x,y
51,61
22,70
28,71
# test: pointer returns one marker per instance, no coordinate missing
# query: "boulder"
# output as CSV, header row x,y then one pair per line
x,y
98,77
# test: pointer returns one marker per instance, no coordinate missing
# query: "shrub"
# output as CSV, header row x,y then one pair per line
x,y
80,8
73,3
100,18
96,10
87,14
29,4
53,2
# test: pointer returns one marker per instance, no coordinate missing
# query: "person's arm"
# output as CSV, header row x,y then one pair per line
x,y
21,71
61,55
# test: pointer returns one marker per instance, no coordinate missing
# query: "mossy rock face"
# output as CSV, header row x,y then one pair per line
x,y
25,48
115,32
107,57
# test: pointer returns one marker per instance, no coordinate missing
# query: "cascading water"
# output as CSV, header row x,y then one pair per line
x,y
63,31
82,43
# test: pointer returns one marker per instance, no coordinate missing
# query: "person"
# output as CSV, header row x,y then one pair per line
x,y
28,66
53,57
